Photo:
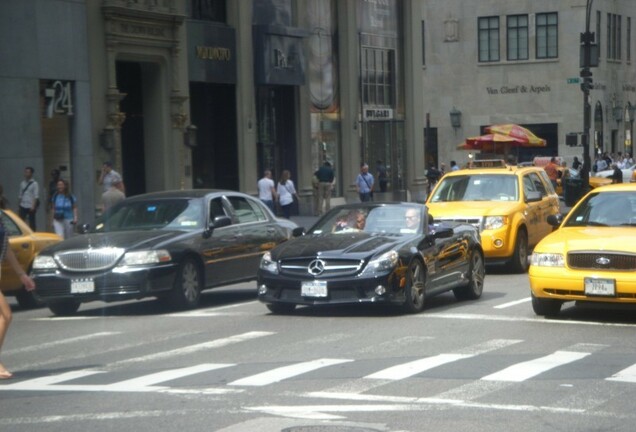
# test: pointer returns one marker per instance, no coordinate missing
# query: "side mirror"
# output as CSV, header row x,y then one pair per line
x,y
83,228
533,196
555,220
218,222
298,232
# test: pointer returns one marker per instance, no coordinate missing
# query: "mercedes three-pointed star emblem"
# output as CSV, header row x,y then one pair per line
x,y
316,267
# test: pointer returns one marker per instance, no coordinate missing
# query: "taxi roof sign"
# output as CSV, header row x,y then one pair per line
x,y
489,163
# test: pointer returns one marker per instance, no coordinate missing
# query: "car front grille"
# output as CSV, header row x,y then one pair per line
x,y
601,260
474,221
89,259
332,267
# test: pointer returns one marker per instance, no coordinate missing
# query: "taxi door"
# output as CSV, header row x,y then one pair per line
x,y
537,211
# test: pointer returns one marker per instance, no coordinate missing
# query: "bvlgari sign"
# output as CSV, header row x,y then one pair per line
x,y
377,114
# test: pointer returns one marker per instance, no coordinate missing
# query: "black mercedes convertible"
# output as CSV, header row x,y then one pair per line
x,y
392,253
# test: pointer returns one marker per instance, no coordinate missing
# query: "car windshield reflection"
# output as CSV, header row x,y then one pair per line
x,y
397,220
477,188
175,214
605,209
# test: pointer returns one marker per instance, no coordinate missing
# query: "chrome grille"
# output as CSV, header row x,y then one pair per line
x,y
602,260
474,221
89,259
332,267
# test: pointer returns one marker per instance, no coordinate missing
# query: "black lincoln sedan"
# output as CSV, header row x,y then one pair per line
x,y
391,253
170,245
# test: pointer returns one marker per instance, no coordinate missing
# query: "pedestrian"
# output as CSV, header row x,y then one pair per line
x,y
365,183
111,197
55,176
383,179
267,190
432,175
286,193
5,309
29,198
617,174
109,177
454,166
552,169
325,179
64,206
4,202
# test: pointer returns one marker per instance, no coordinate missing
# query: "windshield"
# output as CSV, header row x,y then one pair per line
x,y
481,187
605,209
179,214
393,219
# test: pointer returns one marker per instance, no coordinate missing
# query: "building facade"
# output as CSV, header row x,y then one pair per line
x,y
210,93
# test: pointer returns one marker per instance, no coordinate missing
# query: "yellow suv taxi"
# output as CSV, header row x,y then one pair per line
x,y
509,205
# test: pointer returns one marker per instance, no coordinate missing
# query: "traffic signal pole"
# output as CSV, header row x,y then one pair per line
x,y
587,39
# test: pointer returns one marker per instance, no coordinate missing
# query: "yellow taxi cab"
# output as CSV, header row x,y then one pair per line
x,y
25,245
508,204
591,257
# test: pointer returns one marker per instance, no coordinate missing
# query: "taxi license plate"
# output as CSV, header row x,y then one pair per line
x,y
600,287
82,286
313,289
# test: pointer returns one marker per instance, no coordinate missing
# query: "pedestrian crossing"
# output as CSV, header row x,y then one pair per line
x,y
212,378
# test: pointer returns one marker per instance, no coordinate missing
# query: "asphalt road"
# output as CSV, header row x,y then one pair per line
x,y
487,365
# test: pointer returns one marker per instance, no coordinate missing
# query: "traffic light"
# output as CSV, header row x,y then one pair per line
x,y
586,80
571,139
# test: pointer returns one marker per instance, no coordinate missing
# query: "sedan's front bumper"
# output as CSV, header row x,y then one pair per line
x,y
352,290
566,284
111,285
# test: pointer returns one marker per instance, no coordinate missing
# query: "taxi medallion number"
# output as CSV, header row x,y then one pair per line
x,y
313,289
600,287
81,286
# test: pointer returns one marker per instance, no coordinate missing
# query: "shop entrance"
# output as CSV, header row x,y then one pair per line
x,y
276,142
215,158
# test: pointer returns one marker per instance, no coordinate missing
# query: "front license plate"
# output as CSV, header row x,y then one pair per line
x,y
600,287
314,289
82,286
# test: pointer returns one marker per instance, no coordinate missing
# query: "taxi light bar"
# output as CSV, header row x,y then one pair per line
x,y
489,163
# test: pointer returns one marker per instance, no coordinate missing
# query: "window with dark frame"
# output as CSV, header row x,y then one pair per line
x,y
628,40
488,28
517,37
619,37
614,36
609,36
378,72
547,35
599,17
208,10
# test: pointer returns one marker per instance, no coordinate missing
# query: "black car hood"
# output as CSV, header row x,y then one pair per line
x,y
350,245
129,240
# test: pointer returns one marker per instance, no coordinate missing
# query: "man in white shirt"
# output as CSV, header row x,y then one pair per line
x,y
28,198
267,190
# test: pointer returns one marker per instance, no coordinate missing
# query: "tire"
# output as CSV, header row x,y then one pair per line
x,y
475,286
546,307
415,290
281,308
64,307
28,300
519,261
186,292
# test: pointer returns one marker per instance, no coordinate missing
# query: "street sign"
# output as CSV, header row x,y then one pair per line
x,y
573,80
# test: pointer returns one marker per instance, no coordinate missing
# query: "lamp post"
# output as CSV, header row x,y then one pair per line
x,y
587,39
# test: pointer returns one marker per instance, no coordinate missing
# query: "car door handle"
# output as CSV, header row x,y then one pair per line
x,y
25,245
271,230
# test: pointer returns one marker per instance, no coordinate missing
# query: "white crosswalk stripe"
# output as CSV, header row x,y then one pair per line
x,y
285,372
626,375
525,370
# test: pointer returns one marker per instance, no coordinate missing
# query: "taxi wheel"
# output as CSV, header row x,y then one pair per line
x,y
476,274
415,287
546,307
281,308
64,307
519,259
187,290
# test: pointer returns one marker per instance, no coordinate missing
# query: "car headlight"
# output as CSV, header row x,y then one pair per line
x,y
44,262
547,260
268,265
495,222
145,257
385,262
